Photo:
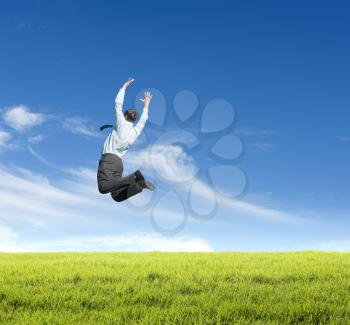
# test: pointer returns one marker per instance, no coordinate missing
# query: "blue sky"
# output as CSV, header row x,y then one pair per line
x,y
281,67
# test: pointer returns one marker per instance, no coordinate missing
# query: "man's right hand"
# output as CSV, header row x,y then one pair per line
x,y
128,83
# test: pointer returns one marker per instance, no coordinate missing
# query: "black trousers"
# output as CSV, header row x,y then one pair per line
x,y
110,179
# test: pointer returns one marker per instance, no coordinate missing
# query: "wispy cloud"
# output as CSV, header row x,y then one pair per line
x,y
257,140
21,118
168,162
8,238
82,173
137,242
5,138
330,245
173,164
35,200
32,199
35,138
253,132
79,125
261,146
343,138
42,159
248,209
28,197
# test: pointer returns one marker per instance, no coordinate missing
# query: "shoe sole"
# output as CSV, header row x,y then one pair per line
x,y
150,186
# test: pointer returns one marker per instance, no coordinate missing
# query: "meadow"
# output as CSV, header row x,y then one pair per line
x,y
175,288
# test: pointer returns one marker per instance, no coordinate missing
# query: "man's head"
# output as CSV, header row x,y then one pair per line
x,y
130,115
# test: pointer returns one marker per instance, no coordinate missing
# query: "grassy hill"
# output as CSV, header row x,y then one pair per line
x,y
175,288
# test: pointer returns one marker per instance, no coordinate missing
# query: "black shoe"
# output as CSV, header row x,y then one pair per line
x,y
139,177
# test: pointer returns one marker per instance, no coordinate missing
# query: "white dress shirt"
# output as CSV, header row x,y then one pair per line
x,y
124,133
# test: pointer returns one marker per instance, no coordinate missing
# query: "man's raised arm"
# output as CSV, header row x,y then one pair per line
x,y
119,102
144,116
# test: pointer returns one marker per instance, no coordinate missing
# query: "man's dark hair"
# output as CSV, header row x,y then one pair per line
x,y
130,115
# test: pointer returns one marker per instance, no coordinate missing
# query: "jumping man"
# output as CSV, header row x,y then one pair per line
x,y
122,136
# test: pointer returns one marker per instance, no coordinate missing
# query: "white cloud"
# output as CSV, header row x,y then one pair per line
x,y
17,180
139,242
343,138
253,132
30,198
5,137
8,238
36,138
78,125
20,118
331,245
257,140
83,173
42,159
168,162
72,201
172,163
246,208
261,146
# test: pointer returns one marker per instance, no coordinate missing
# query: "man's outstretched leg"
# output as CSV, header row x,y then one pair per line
x,y
126,192
131,190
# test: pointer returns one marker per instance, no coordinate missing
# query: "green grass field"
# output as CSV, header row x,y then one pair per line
x,y
175,288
